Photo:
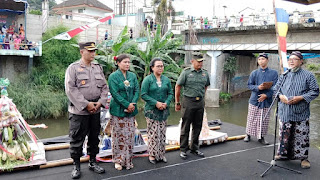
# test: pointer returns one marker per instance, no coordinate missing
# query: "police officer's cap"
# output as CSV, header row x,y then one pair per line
x,y
88,46
263,55
198,57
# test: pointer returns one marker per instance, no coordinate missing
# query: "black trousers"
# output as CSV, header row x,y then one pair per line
x,y
192,113
79,127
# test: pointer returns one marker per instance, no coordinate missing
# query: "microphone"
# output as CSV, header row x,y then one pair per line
x,y
287,71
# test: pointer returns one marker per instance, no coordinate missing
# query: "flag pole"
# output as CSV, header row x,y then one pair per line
x,y
277,34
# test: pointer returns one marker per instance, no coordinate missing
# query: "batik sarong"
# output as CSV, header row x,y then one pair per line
x,y
123,140
156,138
256,126
294,140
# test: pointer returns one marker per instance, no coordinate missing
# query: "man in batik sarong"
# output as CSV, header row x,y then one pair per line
x,y
300,87
260,83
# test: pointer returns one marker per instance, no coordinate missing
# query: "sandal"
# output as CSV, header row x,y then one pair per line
x,y
118,166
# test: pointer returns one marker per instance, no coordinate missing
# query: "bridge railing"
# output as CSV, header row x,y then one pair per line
x,y
251,20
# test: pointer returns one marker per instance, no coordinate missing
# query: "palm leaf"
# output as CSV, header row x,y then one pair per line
x,y
138,59
122,38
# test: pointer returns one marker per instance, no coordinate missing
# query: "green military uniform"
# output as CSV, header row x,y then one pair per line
x,y
194,84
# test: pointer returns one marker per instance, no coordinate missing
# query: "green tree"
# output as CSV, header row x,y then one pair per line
x,y
230,67
121,45
56,57
36,12
162,11
160,46
37,4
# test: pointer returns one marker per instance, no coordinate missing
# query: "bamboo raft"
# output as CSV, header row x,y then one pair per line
x,y
69,161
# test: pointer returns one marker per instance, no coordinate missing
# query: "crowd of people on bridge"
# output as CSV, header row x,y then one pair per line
x,y
241,20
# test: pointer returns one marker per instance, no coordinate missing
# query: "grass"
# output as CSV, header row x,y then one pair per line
x,y
37,101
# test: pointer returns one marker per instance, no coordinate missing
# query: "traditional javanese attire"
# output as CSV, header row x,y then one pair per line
x,y
294,119
256,125
124,91
153,92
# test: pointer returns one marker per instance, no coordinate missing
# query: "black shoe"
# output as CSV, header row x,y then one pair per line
x,y
183,155
262,141
198,153
247,138
152,161
93,166
75,173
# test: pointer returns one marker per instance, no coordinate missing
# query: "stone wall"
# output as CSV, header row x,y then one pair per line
x,y
245,64
12,66
34,27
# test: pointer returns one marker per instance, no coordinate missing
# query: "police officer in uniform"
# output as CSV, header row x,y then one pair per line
x,y
195,81
87,89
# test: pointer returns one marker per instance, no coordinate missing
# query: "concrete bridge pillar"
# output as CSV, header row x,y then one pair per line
x,y
251,20
272,18
317,15
232,22
214,22
295,17
212,94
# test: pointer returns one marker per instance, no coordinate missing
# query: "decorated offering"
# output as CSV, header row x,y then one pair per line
x,y
15,150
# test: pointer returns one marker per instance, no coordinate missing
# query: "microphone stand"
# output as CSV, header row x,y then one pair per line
x,y
273,161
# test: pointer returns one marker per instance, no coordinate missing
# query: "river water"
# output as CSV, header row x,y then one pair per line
x,y
234,112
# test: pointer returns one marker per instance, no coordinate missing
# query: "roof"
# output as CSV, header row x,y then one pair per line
x,y
13,5
246,9
306,2
89,3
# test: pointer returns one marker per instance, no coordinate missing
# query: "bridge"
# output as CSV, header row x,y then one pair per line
x,y
244,42
304,37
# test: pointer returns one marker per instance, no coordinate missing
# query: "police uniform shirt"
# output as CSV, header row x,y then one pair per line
x,y
194,82
84,84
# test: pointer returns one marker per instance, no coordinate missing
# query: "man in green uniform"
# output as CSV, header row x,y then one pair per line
x,y
195,81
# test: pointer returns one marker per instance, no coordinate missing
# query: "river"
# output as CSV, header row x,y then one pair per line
x,y
234,112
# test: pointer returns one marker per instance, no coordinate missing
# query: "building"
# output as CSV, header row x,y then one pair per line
x,y
18,58
82,10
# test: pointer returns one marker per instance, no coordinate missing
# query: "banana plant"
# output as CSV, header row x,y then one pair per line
x,y
119,46
159,46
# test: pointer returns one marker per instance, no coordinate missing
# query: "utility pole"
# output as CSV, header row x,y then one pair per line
x,y
127,11
213,8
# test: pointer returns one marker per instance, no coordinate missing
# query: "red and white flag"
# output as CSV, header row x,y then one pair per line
x,y
70,34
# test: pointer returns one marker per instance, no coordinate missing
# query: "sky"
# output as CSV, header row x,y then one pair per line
x,y
224,7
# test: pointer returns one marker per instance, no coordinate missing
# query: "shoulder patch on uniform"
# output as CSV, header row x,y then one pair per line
x,y
204,69
99,65
74,63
